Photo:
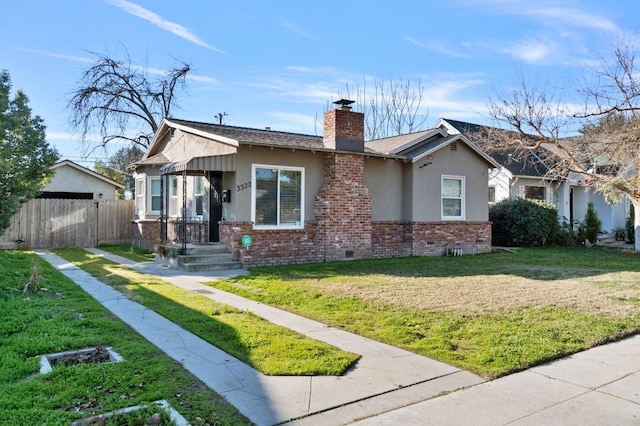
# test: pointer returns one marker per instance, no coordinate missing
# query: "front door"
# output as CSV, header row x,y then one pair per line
x,y
215,205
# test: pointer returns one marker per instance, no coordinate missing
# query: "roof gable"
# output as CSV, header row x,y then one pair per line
x,y
415,146
89,172
528,164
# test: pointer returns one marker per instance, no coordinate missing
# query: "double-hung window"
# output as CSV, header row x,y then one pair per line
x,y
155,195
452,198
278,197
140,205
174,205
198,192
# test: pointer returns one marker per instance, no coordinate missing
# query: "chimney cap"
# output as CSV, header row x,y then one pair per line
x,y
344,103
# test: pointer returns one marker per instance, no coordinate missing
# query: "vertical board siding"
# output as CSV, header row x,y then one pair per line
x,y
54,223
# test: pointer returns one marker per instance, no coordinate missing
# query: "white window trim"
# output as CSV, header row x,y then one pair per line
x,y
174,204
253,197
196,193
141,205
462,198
151,195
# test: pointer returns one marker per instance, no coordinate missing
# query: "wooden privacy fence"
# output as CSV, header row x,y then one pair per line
x,y
55,223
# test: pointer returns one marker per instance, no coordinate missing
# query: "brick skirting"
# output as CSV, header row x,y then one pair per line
x,y
389,239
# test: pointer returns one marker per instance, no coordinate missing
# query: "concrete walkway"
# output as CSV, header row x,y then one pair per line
x,y
387,386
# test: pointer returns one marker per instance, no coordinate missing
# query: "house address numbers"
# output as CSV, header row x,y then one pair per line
x,y
243,186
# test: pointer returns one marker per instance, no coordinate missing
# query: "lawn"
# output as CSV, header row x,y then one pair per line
x,y
492,314
130,252
269,348
60,316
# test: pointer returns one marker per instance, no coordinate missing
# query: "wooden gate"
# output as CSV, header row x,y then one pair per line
x,y
55,223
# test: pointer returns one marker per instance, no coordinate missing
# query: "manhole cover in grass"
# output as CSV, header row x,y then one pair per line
x,y
81,356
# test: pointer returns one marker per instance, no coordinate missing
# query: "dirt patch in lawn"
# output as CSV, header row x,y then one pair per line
x,y
98,354
615,293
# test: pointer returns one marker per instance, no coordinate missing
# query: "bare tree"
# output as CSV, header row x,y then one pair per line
x,y
605,150
390,108
121,101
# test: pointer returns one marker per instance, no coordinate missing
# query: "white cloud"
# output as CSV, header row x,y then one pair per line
x,y
59,55
435,46
294,28
530,51
297,123
545,11
149,70
571,16
454,95
157,20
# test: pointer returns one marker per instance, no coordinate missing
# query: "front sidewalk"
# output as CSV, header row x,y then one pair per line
x,y
385,378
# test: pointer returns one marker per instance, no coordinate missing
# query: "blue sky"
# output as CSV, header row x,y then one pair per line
x,y
280,63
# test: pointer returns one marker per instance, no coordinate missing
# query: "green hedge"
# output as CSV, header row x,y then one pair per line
x,y
528,223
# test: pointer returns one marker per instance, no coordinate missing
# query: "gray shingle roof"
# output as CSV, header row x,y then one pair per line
x,y
249,136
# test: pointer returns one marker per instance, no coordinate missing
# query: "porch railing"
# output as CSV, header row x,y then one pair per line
x,y
184,230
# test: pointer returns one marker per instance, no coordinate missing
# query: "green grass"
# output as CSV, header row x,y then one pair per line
x,y
271,349
60,316
130,252
394,301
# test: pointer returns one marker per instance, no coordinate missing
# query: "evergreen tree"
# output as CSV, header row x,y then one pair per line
x,y
592,224
25,156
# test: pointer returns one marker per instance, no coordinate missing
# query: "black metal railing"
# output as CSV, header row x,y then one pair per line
x,y
185,230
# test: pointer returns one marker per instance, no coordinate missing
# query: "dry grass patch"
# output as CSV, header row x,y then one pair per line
x,y
604,294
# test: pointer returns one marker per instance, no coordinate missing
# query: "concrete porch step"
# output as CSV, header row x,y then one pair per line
x,y
207,262
197,267
206,257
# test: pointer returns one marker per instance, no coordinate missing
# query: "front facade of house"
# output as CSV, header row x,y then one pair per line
x,y
305,199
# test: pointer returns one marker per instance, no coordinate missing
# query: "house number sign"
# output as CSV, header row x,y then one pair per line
x,y
246,240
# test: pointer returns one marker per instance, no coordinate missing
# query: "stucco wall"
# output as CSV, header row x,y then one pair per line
x,y
240,208
427,181
383,178
184,146
69,179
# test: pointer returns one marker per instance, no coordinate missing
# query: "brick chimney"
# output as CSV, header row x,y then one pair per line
x,y
343,128
342,206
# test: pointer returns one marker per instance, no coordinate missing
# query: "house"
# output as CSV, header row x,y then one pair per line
x,y
301,198
527,177
72,181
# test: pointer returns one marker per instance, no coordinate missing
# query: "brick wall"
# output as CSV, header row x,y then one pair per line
x,y
395,239
271,247
388,239
146,233
342,209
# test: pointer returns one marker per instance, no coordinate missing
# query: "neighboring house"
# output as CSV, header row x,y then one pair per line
x,y
307,198
72,181
527,177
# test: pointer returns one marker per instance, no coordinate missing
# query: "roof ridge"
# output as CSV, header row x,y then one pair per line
x,y
240,127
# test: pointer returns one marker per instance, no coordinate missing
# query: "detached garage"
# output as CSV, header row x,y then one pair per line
x,y
74,182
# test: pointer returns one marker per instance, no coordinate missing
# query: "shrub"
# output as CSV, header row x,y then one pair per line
x,y
567,235
630,226
526,223
591,225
